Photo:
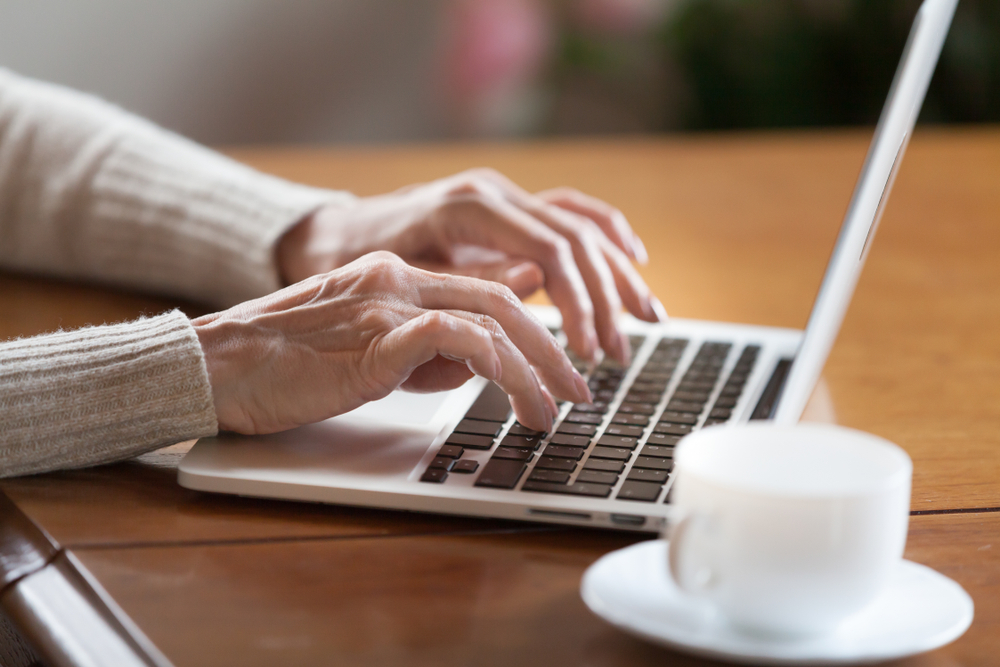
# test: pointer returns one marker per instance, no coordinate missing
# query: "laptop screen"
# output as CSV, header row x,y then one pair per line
x,y
906,96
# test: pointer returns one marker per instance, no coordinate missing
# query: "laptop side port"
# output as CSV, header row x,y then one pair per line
x,y
628,520
556,514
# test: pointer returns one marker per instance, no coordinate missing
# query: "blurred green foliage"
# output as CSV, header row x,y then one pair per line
x,y
782,63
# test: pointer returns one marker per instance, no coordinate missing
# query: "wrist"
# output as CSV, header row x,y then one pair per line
x,y
291,253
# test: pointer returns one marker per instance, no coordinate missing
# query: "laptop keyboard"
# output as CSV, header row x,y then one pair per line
x,y
629,430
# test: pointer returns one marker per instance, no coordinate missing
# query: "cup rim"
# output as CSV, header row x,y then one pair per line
x,y
901,476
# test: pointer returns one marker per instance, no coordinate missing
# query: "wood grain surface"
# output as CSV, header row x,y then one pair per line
x,y
489,599
738,228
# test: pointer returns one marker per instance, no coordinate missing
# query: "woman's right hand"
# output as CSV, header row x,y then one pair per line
x,y
335,341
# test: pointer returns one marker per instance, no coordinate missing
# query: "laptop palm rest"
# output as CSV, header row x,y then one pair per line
x,y
383,440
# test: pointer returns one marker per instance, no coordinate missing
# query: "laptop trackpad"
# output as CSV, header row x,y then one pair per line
x,y
383,439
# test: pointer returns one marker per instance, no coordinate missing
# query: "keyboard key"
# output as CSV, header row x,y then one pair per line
x,y
684,406
634,420
584,418
653,463
512,453
657,451
570,440
470,441
647,475
624,429
442,462
520,429
604,465
713,422
597,477
555,463
563,452
615,453
725,402
604,395
451,451
434,475
553,476
672,429
595,408
643,397
618,441
692,396
492,405
679,417
641,491
478,427
501,473
692,385
637,408
577,429
649,386
578,489
466,466
664,439
720,413
525,441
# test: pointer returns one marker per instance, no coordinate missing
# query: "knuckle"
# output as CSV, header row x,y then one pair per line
x,y
558,250
491,326
502,296
435,321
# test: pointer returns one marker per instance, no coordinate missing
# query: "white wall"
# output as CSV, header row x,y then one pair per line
x,y
241,71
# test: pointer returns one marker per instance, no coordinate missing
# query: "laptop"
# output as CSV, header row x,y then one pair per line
x,y
608,463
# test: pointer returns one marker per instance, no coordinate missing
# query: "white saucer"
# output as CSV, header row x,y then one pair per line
x,y
920,610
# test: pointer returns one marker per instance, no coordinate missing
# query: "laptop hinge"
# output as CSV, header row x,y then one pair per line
x,y
772,392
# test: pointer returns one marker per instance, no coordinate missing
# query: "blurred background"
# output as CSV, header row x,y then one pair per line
x,y
379,71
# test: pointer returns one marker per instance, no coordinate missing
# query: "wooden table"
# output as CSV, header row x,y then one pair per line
x,y
739,228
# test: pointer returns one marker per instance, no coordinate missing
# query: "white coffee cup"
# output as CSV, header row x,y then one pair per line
x,y
787,530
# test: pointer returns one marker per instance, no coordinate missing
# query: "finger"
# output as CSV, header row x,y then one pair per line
x,y
583,234
523,277
610,220
493,222
598,277
438,374
425,337
528,398
539,346
635,294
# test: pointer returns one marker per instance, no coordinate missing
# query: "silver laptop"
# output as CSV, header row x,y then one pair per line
x,y
605,464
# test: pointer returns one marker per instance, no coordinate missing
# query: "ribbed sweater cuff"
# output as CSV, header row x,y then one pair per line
x,y
184,219
78,398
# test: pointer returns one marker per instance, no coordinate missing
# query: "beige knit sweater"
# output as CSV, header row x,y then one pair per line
x,y
90,192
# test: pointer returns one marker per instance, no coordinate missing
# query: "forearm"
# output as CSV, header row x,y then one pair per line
x,y
78,398
90,191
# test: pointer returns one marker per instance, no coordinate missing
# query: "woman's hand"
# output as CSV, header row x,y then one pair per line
x,y
577,247
335,341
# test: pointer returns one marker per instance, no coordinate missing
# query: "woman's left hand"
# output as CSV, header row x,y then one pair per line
x,y
481,224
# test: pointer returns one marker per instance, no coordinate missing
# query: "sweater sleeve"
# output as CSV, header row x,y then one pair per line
x,y
95,395
90,191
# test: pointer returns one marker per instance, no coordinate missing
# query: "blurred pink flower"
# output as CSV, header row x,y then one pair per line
x,y
495,45
618,17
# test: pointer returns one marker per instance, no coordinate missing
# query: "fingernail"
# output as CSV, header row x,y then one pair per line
x,y
658,309
583,394
639,249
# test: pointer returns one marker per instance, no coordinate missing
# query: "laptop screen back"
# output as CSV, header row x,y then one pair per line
x,y
906,96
